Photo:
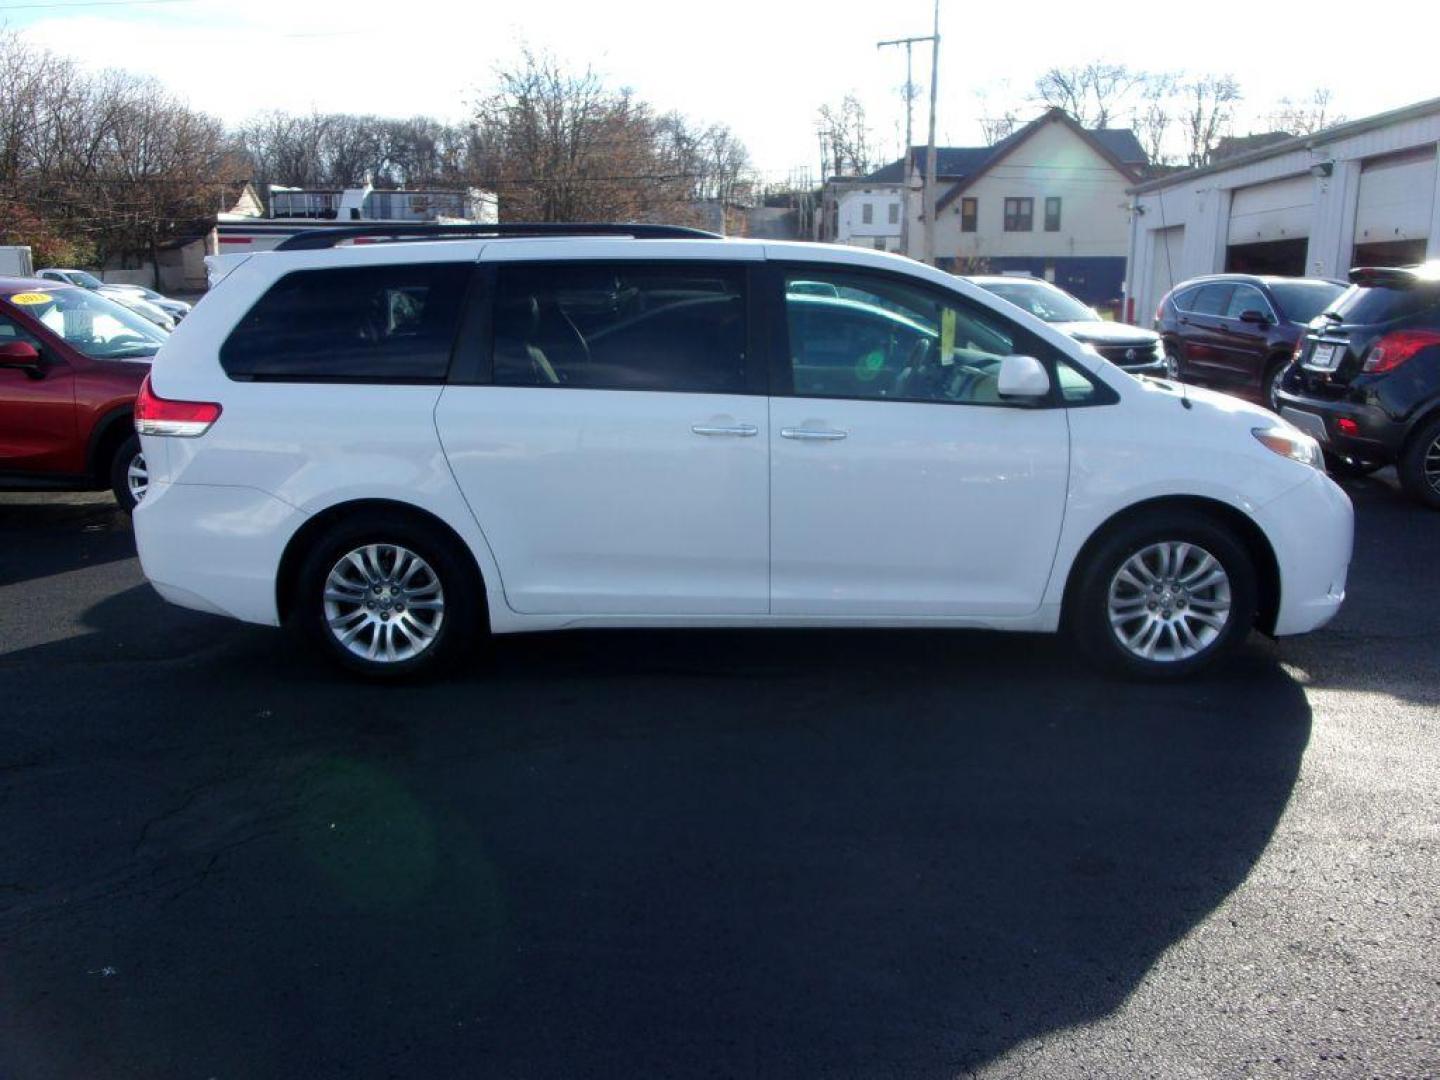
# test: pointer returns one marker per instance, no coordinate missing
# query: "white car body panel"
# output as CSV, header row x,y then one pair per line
x,y
921,509
602,508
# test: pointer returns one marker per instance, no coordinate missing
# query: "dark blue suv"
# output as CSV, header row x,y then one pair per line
x,y
1366,381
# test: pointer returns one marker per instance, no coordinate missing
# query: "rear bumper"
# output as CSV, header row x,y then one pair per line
x,y
1377,437
215,548
1312,529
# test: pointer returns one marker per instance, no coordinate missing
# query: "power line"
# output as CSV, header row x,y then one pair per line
x,y
89,4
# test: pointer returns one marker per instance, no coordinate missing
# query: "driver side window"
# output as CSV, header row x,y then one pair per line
x,y
875,337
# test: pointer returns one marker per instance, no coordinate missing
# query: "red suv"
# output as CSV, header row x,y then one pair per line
x,y
71,362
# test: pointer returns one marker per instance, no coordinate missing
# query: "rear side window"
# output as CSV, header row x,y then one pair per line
x,y
1383,304
352,324
636,326
1212,299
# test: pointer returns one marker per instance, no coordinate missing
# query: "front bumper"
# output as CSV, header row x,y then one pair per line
x,y
1312,531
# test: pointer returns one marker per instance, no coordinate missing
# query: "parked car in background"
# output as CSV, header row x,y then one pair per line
x,y
1237,332
176,309
129,296
1366,382
1133,348
71,363
398,444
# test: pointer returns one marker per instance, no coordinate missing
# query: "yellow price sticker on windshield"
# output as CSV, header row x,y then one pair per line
x,y
947,336
29,298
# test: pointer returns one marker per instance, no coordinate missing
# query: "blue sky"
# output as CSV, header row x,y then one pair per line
x,y
762,68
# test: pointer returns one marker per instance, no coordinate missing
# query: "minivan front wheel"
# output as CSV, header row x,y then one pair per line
x,y
1164,596
385,598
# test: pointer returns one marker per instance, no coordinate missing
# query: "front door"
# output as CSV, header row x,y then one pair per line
x,y
37,414
901,483
616,456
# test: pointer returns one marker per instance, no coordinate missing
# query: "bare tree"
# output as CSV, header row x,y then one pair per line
x,y
563,146
1092,93
1208,108
1154,117
847,145
1305,116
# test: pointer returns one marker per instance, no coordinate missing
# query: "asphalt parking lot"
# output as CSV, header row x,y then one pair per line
x,y
789,854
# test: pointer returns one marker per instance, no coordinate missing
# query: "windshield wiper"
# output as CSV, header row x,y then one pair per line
x,y
1332,315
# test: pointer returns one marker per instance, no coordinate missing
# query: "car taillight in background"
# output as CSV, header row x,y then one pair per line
x,y
1395,348
155,415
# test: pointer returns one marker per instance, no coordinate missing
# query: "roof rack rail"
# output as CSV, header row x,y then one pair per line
x,y
318,239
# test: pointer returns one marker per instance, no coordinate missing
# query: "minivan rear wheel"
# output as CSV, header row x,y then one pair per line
x,y
386,597
1164,596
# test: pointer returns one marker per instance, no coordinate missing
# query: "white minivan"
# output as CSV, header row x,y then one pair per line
x,y
402,442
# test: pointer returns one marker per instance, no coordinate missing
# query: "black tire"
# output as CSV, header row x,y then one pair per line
x,y
1088,615
443,558
126,453
1423,445
1344,468
1270,384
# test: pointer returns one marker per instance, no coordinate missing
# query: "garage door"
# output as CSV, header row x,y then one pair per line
x,y
1166,268
1396,197
1279,210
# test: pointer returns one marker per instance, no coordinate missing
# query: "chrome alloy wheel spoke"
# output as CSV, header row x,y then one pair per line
x,y
383,603
1169,601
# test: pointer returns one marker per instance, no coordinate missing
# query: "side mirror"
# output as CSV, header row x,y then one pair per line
x,y
22,356
1258,318
1023,377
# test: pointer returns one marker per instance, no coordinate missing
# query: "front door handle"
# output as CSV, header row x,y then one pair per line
x,y
812,433
743,431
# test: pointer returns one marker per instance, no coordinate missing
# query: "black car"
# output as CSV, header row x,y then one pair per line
x,y
1237,332
1137,351
1367,378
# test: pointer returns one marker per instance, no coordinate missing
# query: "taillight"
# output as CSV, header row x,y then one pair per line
x,y
1395,348
155,415
1159,310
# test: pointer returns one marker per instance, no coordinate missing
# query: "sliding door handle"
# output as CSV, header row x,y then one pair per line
x,y
822,434
743,431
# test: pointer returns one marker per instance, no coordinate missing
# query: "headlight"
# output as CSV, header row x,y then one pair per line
x,y
1159,350
1287,442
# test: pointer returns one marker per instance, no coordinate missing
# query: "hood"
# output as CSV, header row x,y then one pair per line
x,y
1099,332
1226,406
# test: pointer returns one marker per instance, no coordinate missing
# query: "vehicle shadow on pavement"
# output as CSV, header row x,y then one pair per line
x,y
43,538
629,854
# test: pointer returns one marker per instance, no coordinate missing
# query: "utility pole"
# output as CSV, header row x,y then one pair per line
x,y
928,255
930,153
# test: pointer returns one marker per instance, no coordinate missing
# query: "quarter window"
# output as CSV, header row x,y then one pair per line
x,y
621,327
878,338
1019,215
352,324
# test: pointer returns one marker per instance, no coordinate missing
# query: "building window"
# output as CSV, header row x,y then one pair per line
x,y
969,213
1052,214
894,211
1019,215
867,213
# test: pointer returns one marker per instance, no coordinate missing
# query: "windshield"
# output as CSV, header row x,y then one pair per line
x,y
94,325
1043,301
84,280
1301,301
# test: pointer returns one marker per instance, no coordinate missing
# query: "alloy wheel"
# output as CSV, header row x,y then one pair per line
x,y
1432,465
1169,601
384,603
137,477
